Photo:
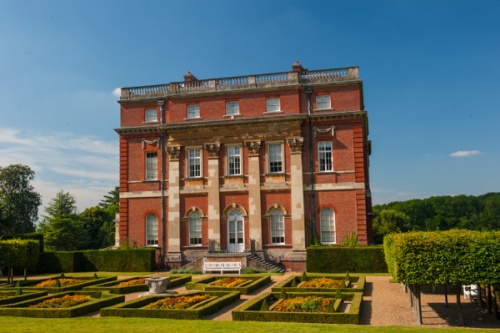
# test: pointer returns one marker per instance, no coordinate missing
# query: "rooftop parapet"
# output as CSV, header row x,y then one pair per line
x,y
239,83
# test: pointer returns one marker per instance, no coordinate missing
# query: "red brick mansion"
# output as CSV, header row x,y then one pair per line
x,y
258,164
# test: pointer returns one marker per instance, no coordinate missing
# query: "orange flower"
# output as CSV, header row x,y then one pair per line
x,y
62,302
179,302
134,282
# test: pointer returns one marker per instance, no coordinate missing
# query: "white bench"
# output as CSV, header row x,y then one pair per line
x,y
221,266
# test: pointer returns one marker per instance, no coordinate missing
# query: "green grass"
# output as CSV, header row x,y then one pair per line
x,y
134,325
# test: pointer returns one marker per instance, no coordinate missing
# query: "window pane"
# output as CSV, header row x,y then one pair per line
x,y
232,108
194,163
325,156
195,228
275,158
150,115
193,111
151,230
277,227
327,218
234,160
151,166
323,102
272,104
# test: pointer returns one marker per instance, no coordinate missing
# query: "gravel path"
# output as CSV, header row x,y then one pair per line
x,y
386,304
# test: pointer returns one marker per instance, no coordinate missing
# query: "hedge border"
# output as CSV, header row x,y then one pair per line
x,y
359,279
250,311
26,295
133,308
22,309
204,283
29,285
112,287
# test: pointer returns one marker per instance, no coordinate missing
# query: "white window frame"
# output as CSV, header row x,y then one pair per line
x,y
277,227
150,115
273,159
273,104
325,156
151,165
193,111
323,102
194,162
232,108
151,230
327,226
195,229
234,165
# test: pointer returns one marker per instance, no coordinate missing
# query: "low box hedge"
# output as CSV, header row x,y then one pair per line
x,y
289,282
13,296
252,310
134,308
98,301
113,288
30,284
254,282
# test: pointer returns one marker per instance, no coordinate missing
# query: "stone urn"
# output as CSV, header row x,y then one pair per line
x,y
157,285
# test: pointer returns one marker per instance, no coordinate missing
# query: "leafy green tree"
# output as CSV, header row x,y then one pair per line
x,y
62,226
99,225
389,221
18,200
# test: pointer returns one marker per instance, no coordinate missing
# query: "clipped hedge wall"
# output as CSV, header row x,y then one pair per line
x,y
130,260
133,308
444,257
337,259
97,302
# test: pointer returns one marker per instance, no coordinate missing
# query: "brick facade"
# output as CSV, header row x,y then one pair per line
x,y
241,181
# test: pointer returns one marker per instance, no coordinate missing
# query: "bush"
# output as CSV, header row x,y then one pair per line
x,y
337,259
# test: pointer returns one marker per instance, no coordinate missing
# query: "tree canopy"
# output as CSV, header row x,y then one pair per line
x,y
18,200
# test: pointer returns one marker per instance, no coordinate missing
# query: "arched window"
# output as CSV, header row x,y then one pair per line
x,y
194,228
151,230
327,217
277,227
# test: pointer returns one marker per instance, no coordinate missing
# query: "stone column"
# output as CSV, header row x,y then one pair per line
x,y
298,228
174,214
213,194
254,204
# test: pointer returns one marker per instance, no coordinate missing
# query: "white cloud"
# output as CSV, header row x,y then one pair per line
x,y
117,92
82,165
465,153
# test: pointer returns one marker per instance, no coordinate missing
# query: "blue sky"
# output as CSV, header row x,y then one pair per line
x,y
430,69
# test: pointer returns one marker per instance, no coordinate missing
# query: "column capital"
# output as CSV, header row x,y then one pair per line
x,y
173,152
213,149
253,147
295,143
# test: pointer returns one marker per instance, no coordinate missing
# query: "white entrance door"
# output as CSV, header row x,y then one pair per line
x,y
236,231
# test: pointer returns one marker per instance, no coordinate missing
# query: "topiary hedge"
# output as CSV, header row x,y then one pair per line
x,y
338,259
254,282
444,257
133,308
291,283
10,296
113,288
88,281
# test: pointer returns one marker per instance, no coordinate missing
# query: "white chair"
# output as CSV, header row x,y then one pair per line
x,y
470,291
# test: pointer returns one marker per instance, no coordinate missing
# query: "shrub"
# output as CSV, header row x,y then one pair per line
x,y
337,259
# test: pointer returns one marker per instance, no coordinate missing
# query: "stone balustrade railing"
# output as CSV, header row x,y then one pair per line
x,y
240,83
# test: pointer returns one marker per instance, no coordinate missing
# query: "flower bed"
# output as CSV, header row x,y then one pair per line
x,y
301,307
67,283
10,296
250,283
133,282
184,306
229,282
115,288
62,305
319,282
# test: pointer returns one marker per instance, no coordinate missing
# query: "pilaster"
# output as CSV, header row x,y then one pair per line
x,y
213,194
297,189
254,202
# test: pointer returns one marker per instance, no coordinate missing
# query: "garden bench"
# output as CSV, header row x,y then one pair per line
x,y
221,266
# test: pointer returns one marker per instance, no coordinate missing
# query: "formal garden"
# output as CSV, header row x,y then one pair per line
x,y
318,300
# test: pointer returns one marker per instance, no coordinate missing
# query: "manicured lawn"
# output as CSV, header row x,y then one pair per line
x,y
134,325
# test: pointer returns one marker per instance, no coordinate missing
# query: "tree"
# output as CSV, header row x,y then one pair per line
x,y
18,200
389,221
99,224
62,226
